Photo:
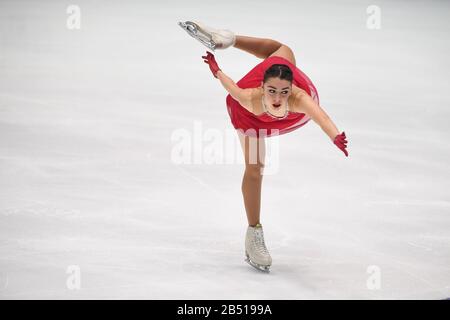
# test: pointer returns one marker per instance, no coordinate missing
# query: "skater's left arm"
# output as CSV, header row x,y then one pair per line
x,y
305,104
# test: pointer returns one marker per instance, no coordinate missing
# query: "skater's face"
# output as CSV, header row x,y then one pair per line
x,y
277,91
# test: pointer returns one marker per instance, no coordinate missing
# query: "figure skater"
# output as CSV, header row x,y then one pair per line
x,y
274,98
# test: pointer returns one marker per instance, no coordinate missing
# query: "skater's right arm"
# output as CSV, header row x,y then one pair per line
x,y
243,96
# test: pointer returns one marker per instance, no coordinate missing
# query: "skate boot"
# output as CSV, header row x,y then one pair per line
x,y
256,252
211,38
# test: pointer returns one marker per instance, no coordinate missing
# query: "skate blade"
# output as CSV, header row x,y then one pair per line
x,y
265,269
196,32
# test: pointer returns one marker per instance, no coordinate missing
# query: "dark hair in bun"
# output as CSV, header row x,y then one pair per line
x,y
281,71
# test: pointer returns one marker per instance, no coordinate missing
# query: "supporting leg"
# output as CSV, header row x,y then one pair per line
x,y
254,153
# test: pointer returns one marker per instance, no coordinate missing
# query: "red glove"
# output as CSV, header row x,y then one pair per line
x,y
209,59
341,143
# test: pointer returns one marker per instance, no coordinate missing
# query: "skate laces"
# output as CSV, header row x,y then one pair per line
x,y
259,241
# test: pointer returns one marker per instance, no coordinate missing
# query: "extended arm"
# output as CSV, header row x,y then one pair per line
x,y
307,105
316,113
243,96
239,94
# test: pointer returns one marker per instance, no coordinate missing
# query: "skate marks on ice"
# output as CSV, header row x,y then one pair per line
x,y
333,262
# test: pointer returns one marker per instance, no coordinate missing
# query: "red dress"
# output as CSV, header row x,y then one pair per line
x,y
266,124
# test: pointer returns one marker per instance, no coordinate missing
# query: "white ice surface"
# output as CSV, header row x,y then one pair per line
x,y
87,178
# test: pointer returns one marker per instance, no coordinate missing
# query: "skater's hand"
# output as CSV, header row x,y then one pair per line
x,y
341,143
211,61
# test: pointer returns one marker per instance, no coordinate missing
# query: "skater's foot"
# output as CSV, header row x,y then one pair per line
x,y
264,268
256,252
210,37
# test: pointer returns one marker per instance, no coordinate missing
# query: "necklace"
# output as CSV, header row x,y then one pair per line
x,y
266,110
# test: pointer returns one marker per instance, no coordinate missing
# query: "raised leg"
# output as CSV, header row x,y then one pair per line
x,y
285,52
264,48
259,47
254,152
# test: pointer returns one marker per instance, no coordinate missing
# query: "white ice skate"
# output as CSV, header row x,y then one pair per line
x,y
211,38
256,252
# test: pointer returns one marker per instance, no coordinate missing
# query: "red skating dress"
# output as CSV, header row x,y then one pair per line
x,y
266,125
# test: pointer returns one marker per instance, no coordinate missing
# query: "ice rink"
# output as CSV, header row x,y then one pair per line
x,y
94,205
